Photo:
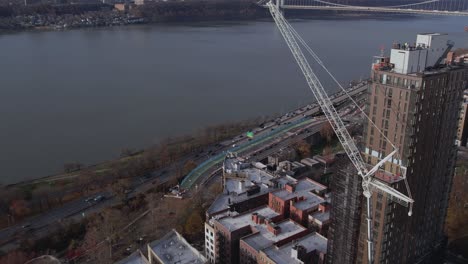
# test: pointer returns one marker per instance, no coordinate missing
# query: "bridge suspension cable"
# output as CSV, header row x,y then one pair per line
x,y
394,6
429,7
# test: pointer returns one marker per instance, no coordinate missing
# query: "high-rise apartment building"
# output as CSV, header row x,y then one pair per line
x,y
414,101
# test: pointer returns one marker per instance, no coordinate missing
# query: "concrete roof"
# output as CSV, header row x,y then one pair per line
x,y
310,242
265,238
234,193
45,259
311,201
309,162
242,220
321,216
303,187
174,248
135,258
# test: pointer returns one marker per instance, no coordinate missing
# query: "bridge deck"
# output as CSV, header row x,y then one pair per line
x,y
378,9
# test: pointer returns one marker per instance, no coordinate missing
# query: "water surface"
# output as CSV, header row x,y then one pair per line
x,y
83,95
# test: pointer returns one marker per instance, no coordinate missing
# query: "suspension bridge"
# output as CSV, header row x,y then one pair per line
x,y
426,7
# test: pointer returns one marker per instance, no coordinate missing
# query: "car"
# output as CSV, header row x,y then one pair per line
x,y
99,198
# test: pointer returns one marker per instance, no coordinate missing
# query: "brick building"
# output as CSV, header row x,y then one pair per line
x,y
414,100
237,233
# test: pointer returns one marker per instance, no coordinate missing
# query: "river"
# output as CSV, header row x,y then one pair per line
x,y
84,95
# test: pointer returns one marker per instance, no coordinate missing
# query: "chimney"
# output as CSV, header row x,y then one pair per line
x,y
450,58
298,252
274,229
261,219
241,185
290,187
255,217
324,207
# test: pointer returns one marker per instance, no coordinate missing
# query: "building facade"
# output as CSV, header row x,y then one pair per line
x,y
414,102
345,213
462,133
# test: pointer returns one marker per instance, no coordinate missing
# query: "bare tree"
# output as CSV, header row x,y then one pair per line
x,y
302,148
188,167
120,189
327,132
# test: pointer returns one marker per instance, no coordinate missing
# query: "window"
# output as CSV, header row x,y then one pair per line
x,y
378,206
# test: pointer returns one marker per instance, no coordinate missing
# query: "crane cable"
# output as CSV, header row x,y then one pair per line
x,y
320,62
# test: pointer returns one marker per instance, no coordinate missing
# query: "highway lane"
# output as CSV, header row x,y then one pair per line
x,y
278,126
194,176
279,143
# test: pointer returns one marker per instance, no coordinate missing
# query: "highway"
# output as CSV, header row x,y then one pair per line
x,y
297,119
45,223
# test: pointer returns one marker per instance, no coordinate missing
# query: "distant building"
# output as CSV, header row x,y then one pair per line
x,y
122,6
173,248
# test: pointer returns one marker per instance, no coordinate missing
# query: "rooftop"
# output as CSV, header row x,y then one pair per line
x,y
310,242
265,238
321,216
236,189
303,187
242,220
309,162
174,248
135,258
311,200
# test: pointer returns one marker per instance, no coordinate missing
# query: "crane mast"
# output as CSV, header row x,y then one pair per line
x,y
369,183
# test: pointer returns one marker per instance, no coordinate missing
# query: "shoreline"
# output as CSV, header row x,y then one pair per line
x,y
96,166
186,21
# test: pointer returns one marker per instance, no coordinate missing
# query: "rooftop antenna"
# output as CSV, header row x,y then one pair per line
x,y
382,50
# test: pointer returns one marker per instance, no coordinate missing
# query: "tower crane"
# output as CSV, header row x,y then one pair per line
x,y
365,171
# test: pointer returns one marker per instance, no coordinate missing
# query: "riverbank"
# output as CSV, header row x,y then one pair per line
x,y
33,197
69,16
48,17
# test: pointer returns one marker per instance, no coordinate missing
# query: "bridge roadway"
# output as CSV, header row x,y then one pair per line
x,y
205,169
378,10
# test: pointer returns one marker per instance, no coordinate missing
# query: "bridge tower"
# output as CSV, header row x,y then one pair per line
x,y
279,5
